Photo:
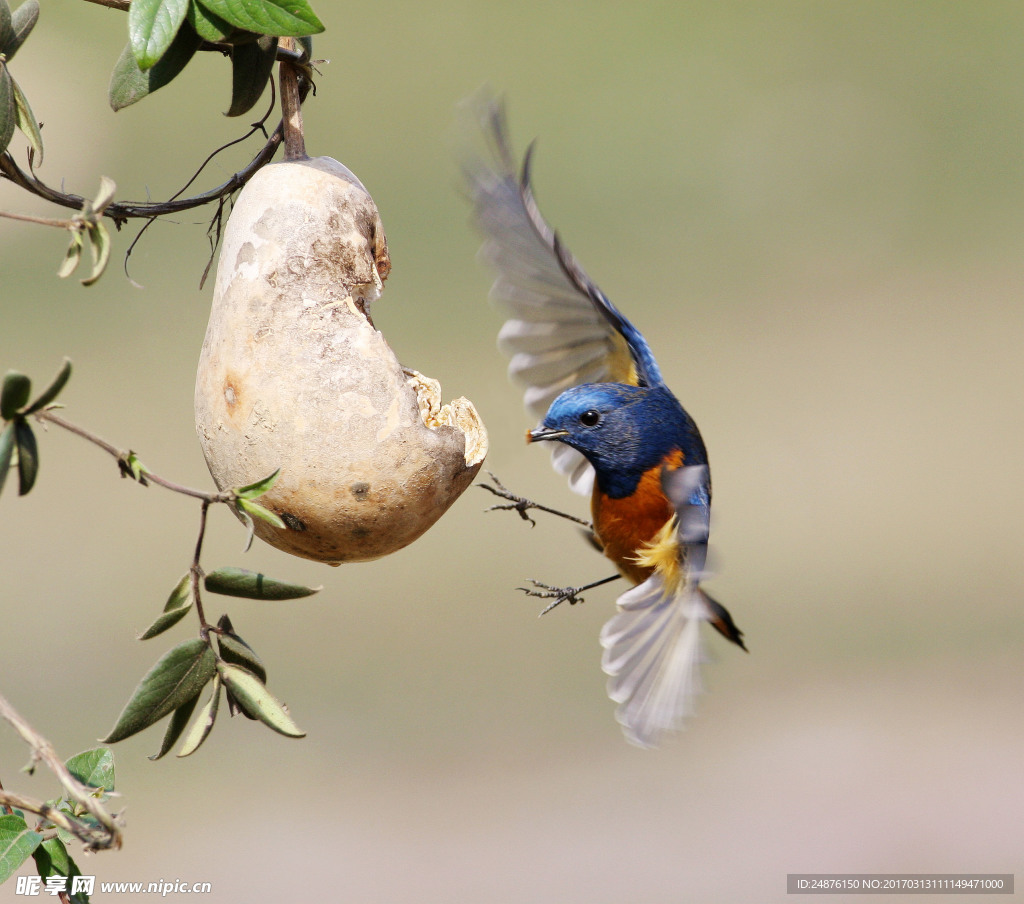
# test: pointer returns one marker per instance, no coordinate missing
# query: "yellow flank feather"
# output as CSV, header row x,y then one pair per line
x,y
662,554
621,367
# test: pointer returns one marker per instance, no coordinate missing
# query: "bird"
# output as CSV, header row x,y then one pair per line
x,y
619,435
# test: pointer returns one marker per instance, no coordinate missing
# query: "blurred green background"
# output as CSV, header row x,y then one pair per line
x,y
815,211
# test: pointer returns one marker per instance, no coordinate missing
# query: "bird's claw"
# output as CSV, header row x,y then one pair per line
x,y
557,595
521,504
515,503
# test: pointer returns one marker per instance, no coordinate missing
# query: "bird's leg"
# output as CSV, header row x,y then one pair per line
x,y
570,595
521,504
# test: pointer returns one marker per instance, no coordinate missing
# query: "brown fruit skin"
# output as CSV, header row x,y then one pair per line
x,y
293,375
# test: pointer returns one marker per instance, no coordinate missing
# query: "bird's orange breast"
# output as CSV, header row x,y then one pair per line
x,y
624,525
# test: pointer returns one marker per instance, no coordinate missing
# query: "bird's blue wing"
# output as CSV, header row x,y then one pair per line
x,y
561,329
652,647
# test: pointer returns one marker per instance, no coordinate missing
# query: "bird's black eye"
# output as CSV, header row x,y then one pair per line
x,y
590,418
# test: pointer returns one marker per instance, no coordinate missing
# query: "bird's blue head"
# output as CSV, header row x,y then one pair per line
x,y
622,430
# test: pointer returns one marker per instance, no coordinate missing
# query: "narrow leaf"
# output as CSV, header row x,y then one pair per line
x,y
14,394
268,17
177,724
74,254
8,112
106,194
208,26
152,26
130,84
176,608
252,490
203,724
258,511
100,239
94,768
28,456
6,453
53,390
17,842
175,679
251,65
6,28
236,651
26,121
23,20
255,700
166,620
253,586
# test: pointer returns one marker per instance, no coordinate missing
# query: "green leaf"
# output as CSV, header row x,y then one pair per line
x,y
52,859
53,390
130,84
176,726
208,26
22,22
14,394
178,604
6,28
6,453
17,842
100,239
203,724
73,256
26,121
251,65
258,511
255,700
28,456
174,680
105,195
252,490
94,768
253,586
236,651
133,468
152,26
268,17
8,111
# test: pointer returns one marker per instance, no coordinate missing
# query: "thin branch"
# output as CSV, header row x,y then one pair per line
x,y
291,107
41,221
48,416
113,4
120,211
95,838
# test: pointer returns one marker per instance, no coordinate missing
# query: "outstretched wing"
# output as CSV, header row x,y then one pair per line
x,y
652,647
561,329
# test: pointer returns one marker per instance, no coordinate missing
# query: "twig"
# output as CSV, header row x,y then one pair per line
x,y
120,211
41,221
108,835
291,107
48,416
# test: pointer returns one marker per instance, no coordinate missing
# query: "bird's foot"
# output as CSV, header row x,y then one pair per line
x,y
521,504
570,595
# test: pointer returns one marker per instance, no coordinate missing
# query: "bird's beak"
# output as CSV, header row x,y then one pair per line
x,y
542,433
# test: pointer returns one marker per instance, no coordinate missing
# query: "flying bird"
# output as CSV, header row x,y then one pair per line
x,y
619,435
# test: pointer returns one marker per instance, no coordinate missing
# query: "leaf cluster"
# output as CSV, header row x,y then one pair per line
x,y
164,35
219,659
47,841
18,447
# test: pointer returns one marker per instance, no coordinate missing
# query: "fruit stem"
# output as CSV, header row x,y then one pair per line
x,y
291,107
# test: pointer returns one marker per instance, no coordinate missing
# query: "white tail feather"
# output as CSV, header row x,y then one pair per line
x,y
653,653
